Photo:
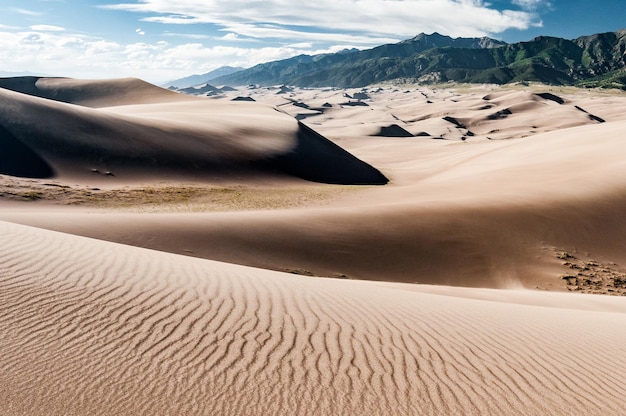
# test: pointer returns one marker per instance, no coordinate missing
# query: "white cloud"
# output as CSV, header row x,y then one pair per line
x,y
187,35
301,45
47,28
264,31
365,19
321,26
25,12
79,56
231,37
53,52
531,4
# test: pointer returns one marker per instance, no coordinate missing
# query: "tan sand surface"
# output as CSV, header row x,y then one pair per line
x,y
90,327
503,203
489,214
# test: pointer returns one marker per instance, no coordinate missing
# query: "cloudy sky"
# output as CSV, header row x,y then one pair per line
x,y
159,40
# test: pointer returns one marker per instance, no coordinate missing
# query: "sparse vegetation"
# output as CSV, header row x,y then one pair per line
x,y
172,198
32,195
591,276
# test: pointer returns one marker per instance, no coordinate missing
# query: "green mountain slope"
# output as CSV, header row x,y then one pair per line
x,y
319,70
597,60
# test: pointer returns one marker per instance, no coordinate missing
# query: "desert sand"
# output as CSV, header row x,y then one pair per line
x,y
397,250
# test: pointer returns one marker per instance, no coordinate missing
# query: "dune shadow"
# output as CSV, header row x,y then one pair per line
x,y
551,97
393,130
28,85
317,159
17,159
25,85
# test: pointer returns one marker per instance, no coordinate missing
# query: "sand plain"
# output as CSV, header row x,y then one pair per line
x,y
475,282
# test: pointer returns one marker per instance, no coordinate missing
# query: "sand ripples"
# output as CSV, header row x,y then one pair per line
x,y
88,327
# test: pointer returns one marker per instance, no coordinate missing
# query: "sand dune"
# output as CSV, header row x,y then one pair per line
x,y
503,200
484,112
488,214
92,93
76,140
95,328
151,133
440,221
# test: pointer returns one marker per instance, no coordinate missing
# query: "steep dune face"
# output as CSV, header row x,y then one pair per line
x,y
336,166
76,140
149,133
93,327
20,160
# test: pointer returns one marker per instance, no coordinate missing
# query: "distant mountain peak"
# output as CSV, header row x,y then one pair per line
x,y
437,40
346,50
423,36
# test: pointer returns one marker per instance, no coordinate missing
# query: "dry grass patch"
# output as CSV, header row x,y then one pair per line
x,y
170,197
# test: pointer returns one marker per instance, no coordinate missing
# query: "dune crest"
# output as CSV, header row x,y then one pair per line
x,y
92,93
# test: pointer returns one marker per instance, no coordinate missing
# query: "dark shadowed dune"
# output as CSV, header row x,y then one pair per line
x,y
355,104
150,132
499,114
243,99
454,121
551,97
25,85
17,159
317,159
393,130
591,116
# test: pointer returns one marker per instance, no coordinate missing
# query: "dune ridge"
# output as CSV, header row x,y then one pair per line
x,y
94,327
92,93
139,131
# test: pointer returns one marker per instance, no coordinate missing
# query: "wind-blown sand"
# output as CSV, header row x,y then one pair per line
x,y
504,201
90,327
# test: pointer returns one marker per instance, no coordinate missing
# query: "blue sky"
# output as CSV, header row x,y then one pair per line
x,y
159,40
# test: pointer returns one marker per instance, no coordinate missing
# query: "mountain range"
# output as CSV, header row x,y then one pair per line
x,y
198,79
592,61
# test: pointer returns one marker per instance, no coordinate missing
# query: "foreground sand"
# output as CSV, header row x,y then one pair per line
x,y
90,327
518,201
